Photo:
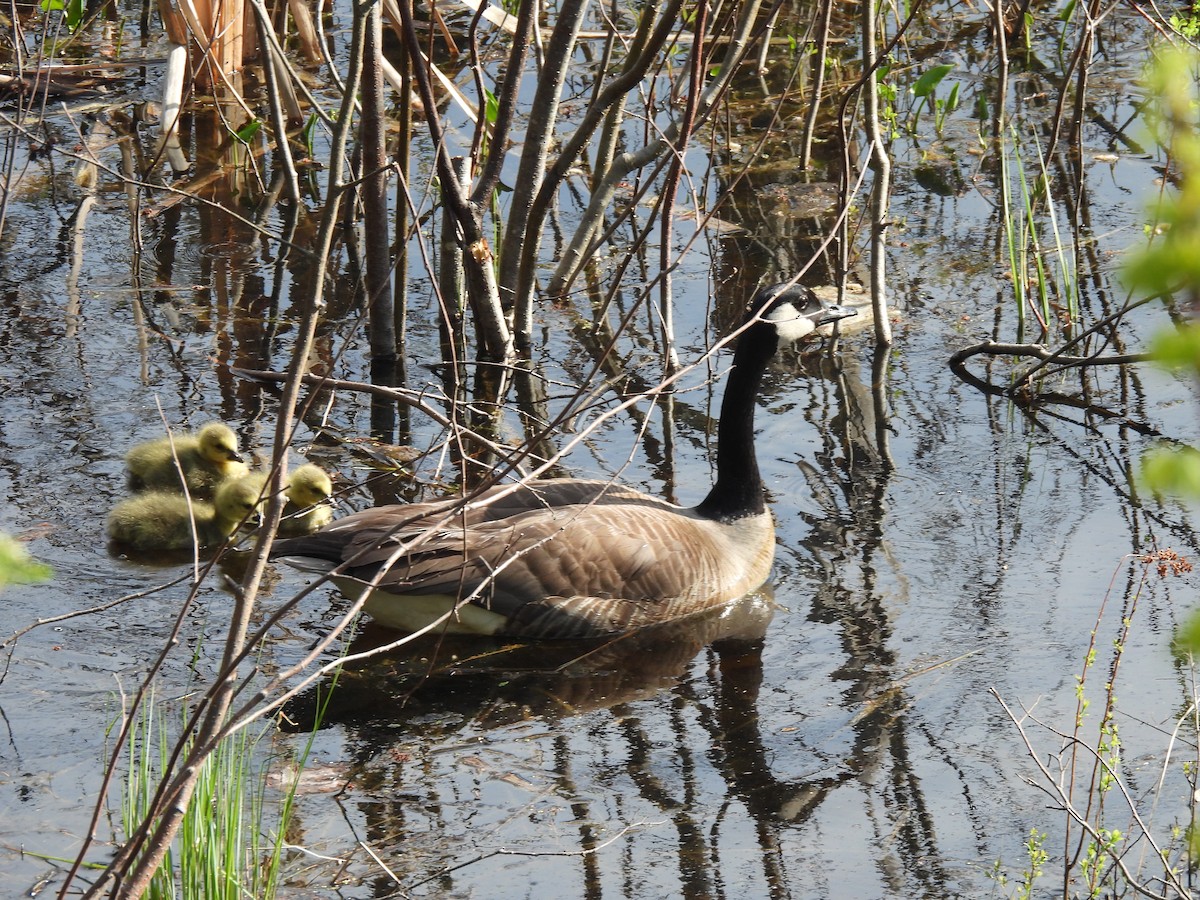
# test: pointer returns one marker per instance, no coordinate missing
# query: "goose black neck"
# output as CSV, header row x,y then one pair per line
x,y
738,490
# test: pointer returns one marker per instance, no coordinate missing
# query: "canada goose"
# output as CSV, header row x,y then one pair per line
x,y
574,558
161,520
207,458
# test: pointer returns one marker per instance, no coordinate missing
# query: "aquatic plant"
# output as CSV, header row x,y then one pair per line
x,y
1084,774
232,840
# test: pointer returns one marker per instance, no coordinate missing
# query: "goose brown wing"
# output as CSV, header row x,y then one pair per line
x,y
563,551
618,561
353,536
504,501
647,559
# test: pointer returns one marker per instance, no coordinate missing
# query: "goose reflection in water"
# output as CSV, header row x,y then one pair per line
x,y
492,683
439,730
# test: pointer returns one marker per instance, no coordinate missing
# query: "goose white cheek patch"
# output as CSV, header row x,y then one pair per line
x,y
789,322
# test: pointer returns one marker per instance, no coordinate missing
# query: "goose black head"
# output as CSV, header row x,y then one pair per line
x,y
793,311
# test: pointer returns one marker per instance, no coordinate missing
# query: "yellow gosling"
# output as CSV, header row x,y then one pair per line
x,y
208,458
161,520
310,503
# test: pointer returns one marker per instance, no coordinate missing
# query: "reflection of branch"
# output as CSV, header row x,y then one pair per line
x,y
631,160
605,109
880,165
1021,392
1037,351
410,398
188,193
1046,357
494,334
586,851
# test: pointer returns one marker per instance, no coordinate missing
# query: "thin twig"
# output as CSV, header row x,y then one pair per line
x,y
76,613
1052,788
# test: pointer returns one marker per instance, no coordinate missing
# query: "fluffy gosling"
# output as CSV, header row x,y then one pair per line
x,y
309,492
160,520
310,503
208,458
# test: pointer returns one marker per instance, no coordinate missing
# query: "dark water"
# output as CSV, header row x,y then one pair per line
x,y
840,736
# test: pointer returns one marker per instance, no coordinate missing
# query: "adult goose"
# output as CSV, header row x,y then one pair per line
x,y
207,458
573,558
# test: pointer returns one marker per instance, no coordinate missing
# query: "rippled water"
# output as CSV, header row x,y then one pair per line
x,y
841,735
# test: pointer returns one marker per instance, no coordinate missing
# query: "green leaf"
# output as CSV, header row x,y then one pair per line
x,y
246,133
1172,470
1178,348
928,82
952,101
1187,639
307,132
491,108
72,11
16,567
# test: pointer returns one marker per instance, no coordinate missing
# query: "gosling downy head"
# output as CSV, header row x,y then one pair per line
x,y
218,444
308,486
310,501
571,558
238,502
